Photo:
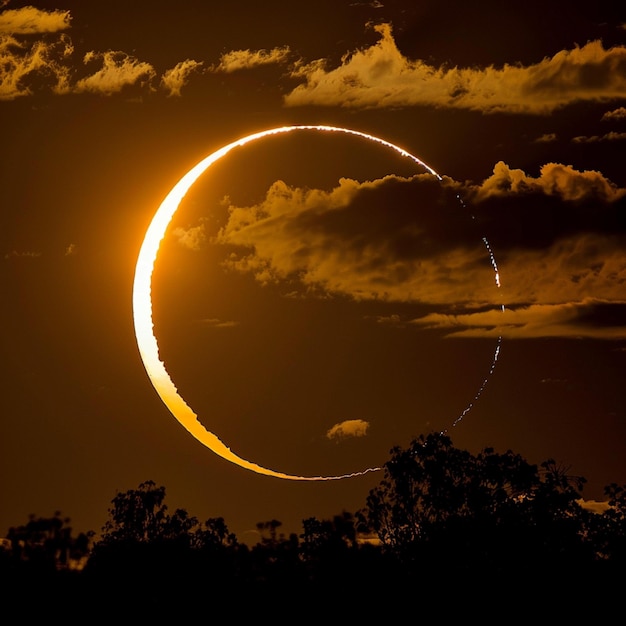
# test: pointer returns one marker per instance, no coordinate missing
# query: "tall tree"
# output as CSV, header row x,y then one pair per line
x,y
444,506
140,516
142,542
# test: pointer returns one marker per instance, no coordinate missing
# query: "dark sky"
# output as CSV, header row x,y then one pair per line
x,y
317,298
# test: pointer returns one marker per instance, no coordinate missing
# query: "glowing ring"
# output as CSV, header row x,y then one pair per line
x,y
142,302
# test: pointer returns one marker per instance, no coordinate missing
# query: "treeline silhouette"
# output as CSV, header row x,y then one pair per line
x,y
443,526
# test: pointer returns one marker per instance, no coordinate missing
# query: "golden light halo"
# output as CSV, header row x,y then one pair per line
x,y
142,300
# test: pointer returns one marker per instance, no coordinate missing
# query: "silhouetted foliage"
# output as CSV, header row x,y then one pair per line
x,y
440,507
328,539
441,518
140,516
47,543
608,531
142,542
268,532
214,535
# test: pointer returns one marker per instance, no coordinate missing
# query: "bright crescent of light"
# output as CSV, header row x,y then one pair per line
x,y
142,301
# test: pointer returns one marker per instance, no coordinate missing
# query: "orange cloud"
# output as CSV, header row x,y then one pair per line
x,y
555,179
381,77
192,238
616,114
585,265
22,254
559,244
556,237
382,239
612,136
348,428
22,65
29,21
217,323
118,70
246,59
174,79
546,138
531,322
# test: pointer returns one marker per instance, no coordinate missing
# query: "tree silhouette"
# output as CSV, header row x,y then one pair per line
x,y
444,520
214,535
275,559
140,516
268,532
142,544
608,530
48,543
442,507
321,538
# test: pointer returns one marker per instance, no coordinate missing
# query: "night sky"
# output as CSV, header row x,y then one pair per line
x,y
318,297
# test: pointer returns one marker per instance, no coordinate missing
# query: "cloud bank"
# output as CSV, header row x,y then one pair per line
x,y
390,239
381,77
565,320
559,240
48,63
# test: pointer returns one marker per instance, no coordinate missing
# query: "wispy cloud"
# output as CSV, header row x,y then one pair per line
x,y
612,136
174,79
581,266
48,64
118,70
192,238
565,320
26,67
348,429
381,77
246,59
23,64
217,323
22,254
70,250
30,21
547,138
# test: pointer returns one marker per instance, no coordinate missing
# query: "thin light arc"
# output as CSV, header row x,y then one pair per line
x,y
142,300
